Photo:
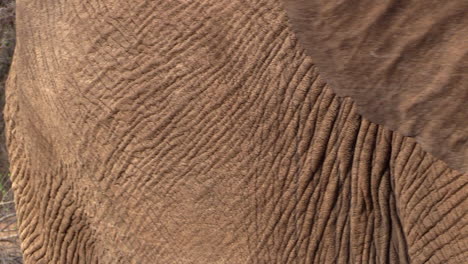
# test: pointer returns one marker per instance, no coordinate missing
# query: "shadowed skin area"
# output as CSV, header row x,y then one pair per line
x,y
404,63
200,132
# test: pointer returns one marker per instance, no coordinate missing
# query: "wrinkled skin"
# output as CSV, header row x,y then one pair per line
x,y
201,132
404,63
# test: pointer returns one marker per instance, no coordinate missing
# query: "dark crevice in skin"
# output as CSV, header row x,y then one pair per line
x,y
395,207
403,63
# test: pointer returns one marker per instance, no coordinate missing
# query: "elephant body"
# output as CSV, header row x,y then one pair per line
x,y
200,132
404,64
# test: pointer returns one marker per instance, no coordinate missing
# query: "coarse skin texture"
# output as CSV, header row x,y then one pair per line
x,y
170,131
404,63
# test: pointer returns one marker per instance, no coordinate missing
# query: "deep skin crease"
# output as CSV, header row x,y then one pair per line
x,y
201,132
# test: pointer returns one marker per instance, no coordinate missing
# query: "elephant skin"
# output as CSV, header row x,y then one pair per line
x,y
176,131
404,63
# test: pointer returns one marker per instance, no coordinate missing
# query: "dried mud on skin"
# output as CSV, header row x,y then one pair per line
x,y
10,252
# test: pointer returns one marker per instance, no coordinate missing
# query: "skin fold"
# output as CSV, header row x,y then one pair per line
x,y
404,63
201,132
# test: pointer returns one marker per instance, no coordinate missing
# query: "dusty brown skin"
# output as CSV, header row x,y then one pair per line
x,y
404,63
200,132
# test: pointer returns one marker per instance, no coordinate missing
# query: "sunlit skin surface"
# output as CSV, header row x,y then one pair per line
x,y
201,132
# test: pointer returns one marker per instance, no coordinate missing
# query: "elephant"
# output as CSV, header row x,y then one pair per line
x,y
413,55
234,131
